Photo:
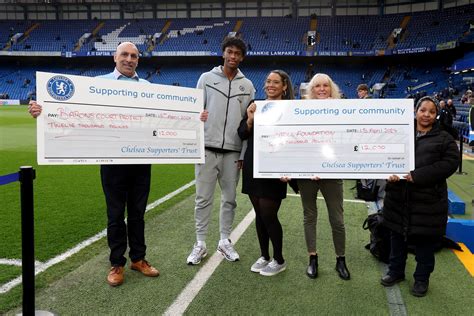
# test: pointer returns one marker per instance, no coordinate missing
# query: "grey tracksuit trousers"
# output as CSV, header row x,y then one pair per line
x,y
222,168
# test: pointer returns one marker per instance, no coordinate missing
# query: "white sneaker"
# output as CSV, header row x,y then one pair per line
x,y
273,268
197,254
259,264
226,248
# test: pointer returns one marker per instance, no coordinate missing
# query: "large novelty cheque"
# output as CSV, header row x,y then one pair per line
x,y
334,139
101,121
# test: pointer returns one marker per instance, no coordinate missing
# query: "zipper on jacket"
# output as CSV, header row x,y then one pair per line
x,y
226,113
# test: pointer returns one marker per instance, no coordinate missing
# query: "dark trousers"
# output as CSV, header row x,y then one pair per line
x,y
268,226
424,256
126,186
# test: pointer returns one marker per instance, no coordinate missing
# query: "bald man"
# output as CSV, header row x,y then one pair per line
x,y
125,187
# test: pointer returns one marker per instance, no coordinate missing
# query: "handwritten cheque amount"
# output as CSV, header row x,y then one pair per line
x,y
101,121
332,148
100,134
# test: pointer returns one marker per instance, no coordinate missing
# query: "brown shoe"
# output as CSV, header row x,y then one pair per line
x,y
115,277
144,267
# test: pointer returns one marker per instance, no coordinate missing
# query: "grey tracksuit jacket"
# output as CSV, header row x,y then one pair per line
x,y
227,101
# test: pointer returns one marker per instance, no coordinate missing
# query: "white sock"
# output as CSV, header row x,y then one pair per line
x,y
224,241
201,243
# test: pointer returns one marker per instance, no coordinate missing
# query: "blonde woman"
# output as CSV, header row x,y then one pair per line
x,y
321,87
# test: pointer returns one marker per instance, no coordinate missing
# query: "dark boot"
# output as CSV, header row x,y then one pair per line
x,y
312,270
389,280
341,268
420,288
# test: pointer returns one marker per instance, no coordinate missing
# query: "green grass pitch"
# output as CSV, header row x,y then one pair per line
x,y
70,207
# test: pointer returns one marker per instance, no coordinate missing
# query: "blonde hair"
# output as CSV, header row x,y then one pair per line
x,y
335,92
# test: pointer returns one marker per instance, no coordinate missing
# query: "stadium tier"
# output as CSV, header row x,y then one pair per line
x,y
333,36
18,81
301,37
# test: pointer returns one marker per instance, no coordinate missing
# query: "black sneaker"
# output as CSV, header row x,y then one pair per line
x,y
420,288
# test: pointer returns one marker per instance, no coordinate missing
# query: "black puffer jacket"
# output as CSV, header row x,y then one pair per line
x,y
420,208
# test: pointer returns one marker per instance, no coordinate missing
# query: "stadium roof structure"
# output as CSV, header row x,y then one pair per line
x,y
315,2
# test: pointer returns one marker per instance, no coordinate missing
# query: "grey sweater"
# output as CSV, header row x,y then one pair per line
x,y
227,101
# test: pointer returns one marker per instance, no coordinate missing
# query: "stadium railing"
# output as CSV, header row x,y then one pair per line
x,y
26,175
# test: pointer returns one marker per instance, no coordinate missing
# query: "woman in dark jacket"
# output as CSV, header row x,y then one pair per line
x,y
266,195
416,207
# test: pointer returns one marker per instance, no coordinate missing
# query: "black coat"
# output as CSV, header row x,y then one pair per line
x,y
421,208
267,188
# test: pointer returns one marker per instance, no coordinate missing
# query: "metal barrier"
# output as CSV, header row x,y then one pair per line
x,y
26,177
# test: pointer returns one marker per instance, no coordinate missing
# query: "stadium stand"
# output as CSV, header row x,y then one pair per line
x,y
427,28
280,36
188,34
346,76
342,34
54,36
275,34
336,35
116,31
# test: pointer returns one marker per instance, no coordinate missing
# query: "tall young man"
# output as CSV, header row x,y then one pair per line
x,y
227,93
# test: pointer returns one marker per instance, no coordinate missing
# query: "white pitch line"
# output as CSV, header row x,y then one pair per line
x,y
395,302
322,198
179,306
182,302
15,262
170,195
42,267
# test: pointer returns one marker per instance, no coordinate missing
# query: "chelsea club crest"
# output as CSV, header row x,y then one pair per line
x,y
272,113
60,88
